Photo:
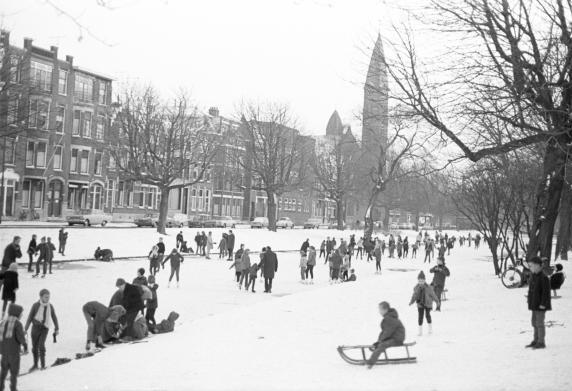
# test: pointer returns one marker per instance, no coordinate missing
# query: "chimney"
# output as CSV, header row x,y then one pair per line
x,y
69,59
213,111
54,50
28,43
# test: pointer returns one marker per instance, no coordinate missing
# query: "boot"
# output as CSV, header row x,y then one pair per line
x,y
42,361
531,345
539,345
420,333
88,346
35,366
430,328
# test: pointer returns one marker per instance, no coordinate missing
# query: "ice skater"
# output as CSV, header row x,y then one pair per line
x,y
176,259
440,274
310,264
42,315
303,266
152,304
424,296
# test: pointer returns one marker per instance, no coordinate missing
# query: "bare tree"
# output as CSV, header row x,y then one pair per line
x,y
275,153
161,143
508,61
335,166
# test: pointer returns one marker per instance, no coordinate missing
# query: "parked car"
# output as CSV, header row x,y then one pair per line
x,y
221,222
147,220
406,226
89,219
284,222
259,222
197,221
393,226
176,221
312,223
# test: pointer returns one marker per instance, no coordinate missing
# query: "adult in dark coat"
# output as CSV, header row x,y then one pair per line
x,y
305,246
180,239
329,248
161,250
538,302
132,302
42,249
50,255
32,249
270,267
62,240
11,253
441,272
230,244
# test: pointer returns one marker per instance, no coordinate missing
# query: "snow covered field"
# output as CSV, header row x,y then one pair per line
x,y
228,339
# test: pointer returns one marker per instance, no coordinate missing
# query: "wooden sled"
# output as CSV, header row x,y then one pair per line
x,y
381,361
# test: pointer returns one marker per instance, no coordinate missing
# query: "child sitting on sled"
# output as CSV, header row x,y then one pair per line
x,y
392,332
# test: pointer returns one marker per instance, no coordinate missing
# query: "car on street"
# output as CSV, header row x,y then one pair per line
x,y
221,222
259,222
315,223
197,221
178,220
284,222
147,220
89,219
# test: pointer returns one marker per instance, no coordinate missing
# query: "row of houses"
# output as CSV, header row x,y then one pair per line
x,y
56,119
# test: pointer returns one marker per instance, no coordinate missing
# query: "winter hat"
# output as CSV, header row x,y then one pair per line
x,y
115,313
119,282
44,292
15,310
13,267
151,279
421,275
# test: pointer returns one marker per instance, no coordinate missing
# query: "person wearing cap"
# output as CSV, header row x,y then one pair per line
x,y
440,274
424,296
96,314
41,316
538,302
12,338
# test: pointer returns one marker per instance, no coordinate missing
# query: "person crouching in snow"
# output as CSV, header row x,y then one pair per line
x,y
303,266
96,314
12,337
176,260
424,296
392,332
41,317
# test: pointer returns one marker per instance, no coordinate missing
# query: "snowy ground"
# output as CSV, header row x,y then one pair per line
x,y
231,340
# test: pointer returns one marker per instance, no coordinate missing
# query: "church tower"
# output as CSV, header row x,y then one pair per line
x,y
375,102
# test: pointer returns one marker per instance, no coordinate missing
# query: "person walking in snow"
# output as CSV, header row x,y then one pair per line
x,y
32,250
10,286
209,245
252,273
305,245
244,268
198,242
303,266
270,268
12,339
359,252
539,301
392,332
42,257
329,247
42,315
405,248
50,256
176,259
428,250
337,261
11,253
440,273
230,244
424,296
310,264
377,255
62,241
322,249
203,243
399,247
222,248
154,264
237,265
180,239
414,250
161,247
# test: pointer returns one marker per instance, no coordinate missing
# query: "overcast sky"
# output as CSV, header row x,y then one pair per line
x,y
311,54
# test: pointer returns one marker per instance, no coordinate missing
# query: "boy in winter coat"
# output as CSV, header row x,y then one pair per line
x,y
252,276
10,282
441,272
12,337
392,332
176,260
41,317
310,264
424,296
152,304
539,301
303,266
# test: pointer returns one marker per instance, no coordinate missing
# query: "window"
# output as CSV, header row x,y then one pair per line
x,y
60,118
97,163
76,122
14,69
41,155
39,113
84,166
26,194
72,194
112,163
102,96
30,154
63,82
86,128
41,76
58,157
12,115
120,193
10,151
38,194
96,192
201,199
99,127
111,190
73,160
83,88
193,199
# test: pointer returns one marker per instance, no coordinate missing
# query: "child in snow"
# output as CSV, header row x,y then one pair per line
x,y
245,269
41,317
345,267
441,272
152,304
323,249
12,337
352,276
414,250
10,279
96,315
377,254
237,265
392,332
539,301
154,260
252,276
557,279
176,260
303,266
424,296
140,279
310,264
167,325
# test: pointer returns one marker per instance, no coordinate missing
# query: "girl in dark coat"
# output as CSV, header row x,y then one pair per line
x,y
176,260
32,249
10,278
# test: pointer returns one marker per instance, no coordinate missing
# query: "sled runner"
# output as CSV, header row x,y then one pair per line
x,y
381,361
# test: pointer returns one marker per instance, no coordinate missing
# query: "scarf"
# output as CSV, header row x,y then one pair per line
x,y
7,327
44,314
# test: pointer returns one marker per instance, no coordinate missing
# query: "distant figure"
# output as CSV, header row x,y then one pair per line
x,y
230,244
32,250
62,240
270,262
557,279
105,255
441,272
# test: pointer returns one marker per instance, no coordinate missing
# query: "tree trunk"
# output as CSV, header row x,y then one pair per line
x,y
565,229
340,213
163,210
368,218
493,246
547,203
271,211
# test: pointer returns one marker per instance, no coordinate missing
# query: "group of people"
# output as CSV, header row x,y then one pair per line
x,y
246,270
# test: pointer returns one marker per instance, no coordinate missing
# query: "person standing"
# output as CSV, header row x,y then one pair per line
x,y
441,272
41,316
329,247
230,244
222,248
11,253
152,304
50,248
424,296
305,246
539,301
154,260
244,268
10,280
428,250
405,247
62,241
310,264
303,266
203,243
270,262
322,249
377,254
359,249
161,250
42,249
176,259
31,252
336,265
198,242
209,244
180,239
12,338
